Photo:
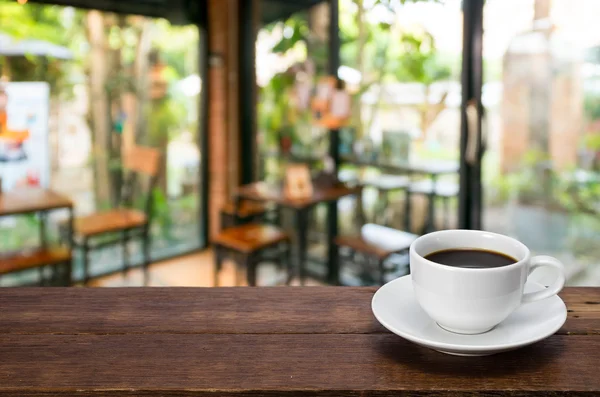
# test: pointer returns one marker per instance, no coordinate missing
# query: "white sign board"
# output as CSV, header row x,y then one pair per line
x,y
24,151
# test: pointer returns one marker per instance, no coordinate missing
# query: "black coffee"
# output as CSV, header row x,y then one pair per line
x,y
470,258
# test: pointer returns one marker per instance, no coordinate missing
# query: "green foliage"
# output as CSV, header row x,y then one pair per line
x,y
177,46
300,33
592,141
276,116
492,70
534,182
54,24
387,54
419,61
274,108
161,214
33,21
579,197
591,107
165,118
399,55
21,232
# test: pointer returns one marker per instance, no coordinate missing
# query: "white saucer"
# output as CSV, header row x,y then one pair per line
x,y
395,307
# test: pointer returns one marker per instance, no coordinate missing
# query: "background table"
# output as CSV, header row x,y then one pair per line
x,y
431,168
316,341
29,200
261,191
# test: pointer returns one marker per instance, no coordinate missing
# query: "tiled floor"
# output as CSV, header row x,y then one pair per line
x,y
195,270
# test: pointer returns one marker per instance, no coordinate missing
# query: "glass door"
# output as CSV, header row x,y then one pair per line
x,y
541,96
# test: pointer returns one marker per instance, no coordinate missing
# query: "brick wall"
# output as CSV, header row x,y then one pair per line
x,y
541,108
566,118
515,113
222,107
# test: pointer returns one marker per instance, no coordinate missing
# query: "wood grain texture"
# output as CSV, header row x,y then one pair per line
x,y
28,259
250,237
205,363
245,209
261,191
144,160
274,310
27,200
313,341
109,221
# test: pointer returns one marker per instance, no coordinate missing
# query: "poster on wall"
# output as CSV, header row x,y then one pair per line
x,y
24,151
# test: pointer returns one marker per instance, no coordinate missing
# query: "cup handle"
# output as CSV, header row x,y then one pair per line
x,y
555,288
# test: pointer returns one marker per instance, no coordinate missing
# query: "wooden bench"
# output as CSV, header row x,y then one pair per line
x,y
39,258
378,243
109,221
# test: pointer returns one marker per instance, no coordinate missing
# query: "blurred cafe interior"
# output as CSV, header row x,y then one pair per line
x,y
284,143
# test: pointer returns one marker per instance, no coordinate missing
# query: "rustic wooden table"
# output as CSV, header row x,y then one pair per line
x,y
315,341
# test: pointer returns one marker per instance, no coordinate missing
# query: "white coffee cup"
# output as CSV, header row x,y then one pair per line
x,y
475,300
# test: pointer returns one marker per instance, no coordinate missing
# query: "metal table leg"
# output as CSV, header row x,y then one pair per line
x,y
289,264
125,251
430,223
43,243
302,237
69,265
333,271
407,211
43,240
218,265
249,262
86,261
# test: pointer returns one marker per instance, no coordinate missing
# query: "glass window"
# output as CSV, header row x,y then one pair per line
x,y
541,170
114,81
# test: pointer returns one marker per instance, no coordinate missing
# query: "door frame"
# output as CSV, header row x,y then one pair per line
x,y
470,198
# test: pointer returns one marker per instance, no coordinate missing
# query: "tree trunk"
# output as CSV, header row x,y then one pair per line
x,y
141,70
430,112
379,83
115,82
99,108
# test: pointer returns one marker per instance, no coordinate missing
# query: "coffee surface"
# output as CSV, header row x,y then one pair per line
x,y
470,258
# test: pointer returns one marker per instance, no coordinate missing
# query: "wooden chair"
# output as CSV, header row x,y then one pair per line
x,y
248,211
374,243
246,245
124,220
